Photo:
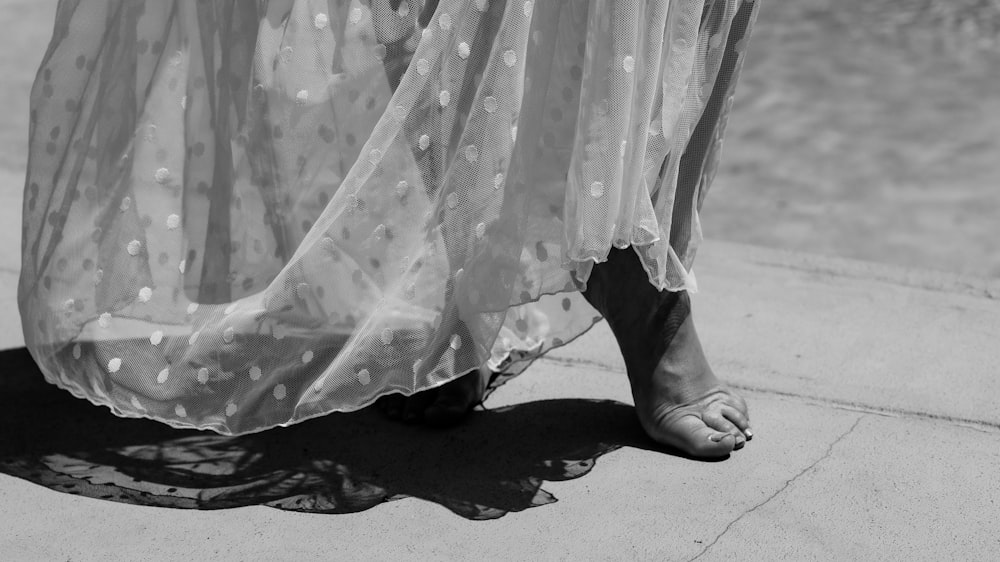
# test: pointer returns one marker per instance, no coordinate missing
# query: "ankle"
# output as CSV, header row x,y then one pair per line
x,y
643,319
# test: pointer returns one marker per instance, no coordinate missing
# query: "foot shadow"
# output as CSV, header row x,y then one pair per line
x,y
341,463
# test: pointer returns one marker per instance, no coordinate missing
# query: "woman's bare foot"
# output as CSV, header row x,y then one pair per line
x,y
445,406
679,400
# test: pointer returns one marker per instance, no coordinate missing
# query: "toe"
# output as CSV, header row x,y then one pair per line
x,y
691,435
717,421
739,419
709,443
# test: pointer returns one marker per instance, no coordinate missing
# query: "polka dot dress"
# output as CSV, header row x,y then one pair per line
x,y
240,215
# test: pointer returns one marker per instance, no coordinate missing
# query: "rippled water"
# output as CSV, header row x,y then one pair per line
x,y
868,129
863,128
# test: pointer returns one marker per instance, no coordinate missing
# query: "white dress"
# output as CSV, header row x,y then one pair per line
x,y
240,215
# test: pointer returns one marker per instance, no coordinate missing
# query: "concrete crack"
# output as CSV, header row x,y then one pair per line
x,y
829,451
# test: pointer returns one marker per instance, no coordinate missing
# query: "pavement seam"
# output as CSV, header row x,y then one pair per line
x,y
826,455
884,411
570,361
968,423
955,286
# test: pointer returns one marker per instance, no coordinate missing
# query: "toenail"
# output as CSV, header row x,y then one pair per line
x,y
715,438
749,433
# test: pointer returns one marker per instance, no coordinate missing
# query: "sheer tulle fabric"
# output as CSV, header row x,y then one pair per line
x,y
242,214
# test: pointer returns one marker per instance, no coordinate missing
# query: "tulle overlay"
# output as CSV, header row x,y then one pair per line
x,y
244,214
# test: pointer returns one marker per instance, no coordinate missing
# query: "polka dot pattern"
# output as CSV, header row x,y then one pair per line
x,y
278,218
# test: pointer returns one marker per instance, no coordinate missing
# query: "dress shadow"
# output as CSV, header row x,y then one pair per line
x,y
341,463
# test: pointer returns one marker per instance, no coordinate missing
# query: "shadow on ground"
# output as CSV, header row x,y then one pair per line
x,y
341,463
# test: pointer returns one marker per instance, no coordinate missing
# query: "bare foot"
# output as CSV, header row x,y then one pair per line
x,y
444,406
679,400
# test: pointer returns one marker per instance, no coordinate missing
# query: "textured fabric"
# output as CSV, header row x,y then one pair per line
x,y
244,214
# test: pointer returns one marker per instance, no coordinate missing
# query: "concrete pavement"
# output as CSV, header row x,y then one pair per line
x,y
873,392
873,398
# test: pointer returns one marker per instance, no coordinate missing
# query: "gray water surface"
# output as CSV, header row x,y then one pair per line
x,y
868,129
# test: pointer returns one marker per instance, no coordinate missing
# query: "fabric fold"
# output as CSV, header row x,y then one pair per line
x,y
241,215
